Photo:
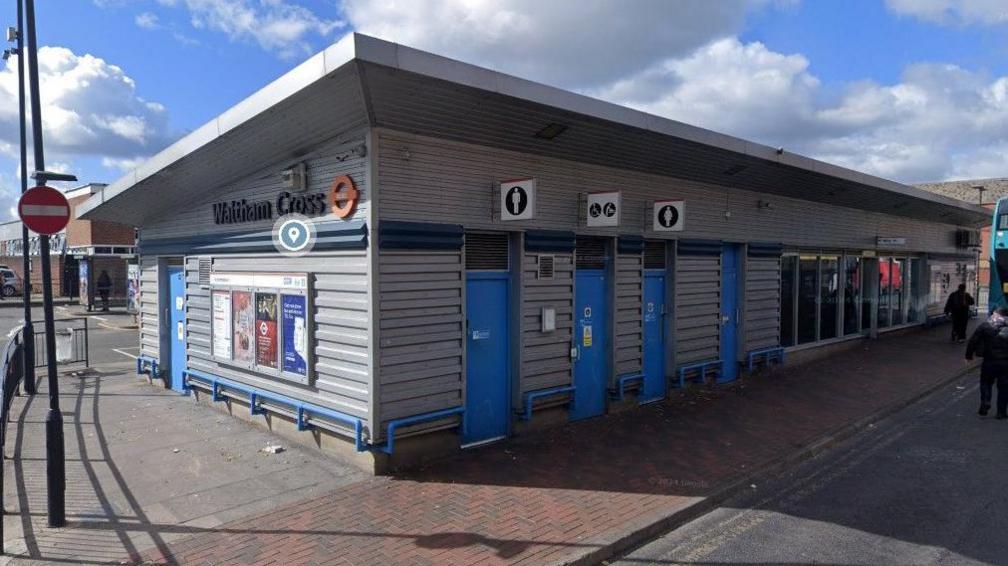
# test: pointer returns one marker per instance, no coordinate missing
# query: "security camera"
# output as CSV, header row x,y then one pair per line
x,y
8,52
295,177
12,34
780,150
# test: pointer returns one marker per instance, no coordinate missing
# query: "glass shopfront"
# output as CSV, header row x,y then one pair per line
x,y
828,295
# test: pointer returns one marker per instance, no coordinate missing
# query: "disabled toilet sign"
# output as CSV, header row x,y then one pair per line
x,y
603,209
517,199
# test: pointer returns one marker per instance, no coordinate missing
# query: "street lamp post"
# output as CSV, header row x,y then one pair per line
x,y
28,333
55,451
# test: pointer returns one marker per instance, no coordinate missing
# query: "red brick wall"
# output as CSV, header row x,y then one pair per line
x,y
96,232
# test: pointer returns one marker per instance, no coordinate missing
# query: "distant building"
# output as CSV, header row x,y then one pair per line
x,y
94,244
966,190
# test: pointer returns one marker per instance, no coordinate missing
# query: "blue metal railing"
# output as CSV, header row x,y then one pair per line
x,y
622,384
12,370
394,424
533,395
769,355
303,410
701,368
148,365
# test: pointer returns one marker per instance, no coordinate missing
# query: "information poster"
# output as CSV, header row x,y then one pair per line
x,y
221,303
244,326
133,288
83,278
294,316
266,330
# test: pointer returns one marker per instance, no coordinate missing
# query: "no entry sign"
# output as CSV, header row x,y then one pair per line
x,y
44,210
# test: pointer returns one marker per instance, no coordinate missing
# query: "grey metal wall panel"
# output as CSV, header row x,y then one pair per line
x,y
325,163
447,181
340,309
546,356
762,303
697,308
149,315
629,321
421,327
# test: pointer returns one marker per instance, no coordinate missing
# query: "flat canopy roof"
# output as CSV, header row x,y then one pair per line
x,y
362,81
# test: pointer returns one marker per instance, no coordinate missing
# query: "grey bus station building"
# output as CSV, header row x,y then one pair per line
x,y
486,255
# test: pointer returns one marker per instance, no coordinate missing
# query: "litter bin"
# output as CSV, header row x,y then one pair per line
x,y
64,345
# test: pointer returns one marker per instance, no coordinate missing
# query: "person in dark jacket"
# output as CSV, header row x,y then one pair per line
x,y
990,341
104,288
958,308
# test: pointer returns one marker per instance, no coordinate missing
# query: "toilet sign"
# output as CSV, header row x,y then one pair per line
x,y
669,216
603,209
517,199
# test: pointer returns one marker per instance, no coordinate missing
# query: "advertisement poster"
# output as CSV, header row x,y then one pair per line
x,y
294,310
243,316
222,324
266,330
132,288
85,299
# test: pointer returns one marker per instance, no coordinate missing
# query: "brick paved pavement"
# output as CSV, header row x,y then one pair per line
x,y
563,494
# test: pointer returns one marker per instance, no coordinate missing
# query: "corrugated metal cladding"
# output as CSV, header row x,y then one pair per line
x,y
148,320
629,320
446,181
420,332
697,308
762,302
325,164
545,357
340,307
486,252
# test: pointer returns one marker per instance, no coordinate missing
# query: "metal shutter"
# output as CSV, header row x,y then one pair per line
x,y
698,308
629,321
486,252
762,302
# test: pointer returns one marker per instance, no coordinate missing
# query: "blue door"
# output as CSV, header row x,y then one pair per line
x,y
176,321
591,342
487,357
730,311
654,335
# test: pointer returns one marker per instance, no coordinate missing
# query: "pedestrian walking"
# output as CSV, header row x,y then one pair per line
x,y
104,287
958,308
990,341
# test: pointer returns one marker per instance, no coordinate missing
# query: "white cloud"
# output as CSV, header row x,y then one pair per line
x,y
89,107
147,20
123,164
275,25
575,45
958,12
938,121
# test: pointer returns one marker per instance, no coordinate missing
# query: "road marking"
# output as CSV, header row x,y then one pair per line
x,y
128,355
101,318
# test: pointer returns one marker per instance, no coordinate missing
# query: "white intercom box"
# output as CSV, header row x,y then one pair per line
x,y
548,319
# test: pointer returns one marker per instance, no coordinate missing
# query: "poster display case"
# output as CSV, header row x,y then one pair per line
x,y
261,322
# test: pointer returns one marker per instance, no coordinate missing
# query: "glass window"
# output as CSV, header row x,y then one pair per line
x,y
852,294
789,273
808,295
918,299
1003,222
829,296
869,293
898,290
884,277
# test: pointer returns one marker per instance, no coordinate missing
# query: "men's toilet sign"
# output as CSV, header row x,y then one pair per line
x,y
603,209
669,215
517,199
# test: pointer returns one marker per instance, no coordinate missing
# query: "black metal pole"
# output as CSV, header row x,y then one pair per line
x,y
28,333
55,455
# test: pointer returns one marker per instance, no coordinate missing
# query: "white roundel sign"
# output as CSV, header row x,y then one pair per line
x,y
669,216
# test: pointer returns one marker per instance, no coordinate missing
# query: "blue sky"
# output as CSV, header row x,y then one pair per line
x,y
913,90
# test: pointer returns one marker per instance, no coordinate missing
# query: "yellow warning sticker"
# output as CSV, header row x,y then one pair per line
x,y
586,336
1004,287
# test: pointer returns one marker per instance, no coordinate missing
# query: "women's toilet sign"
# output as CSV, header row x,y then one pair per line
x,y
517,199
669,216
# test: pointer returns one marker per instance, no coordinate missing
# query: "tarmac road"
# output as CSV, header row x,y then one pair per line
x,y
926,486
112,335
